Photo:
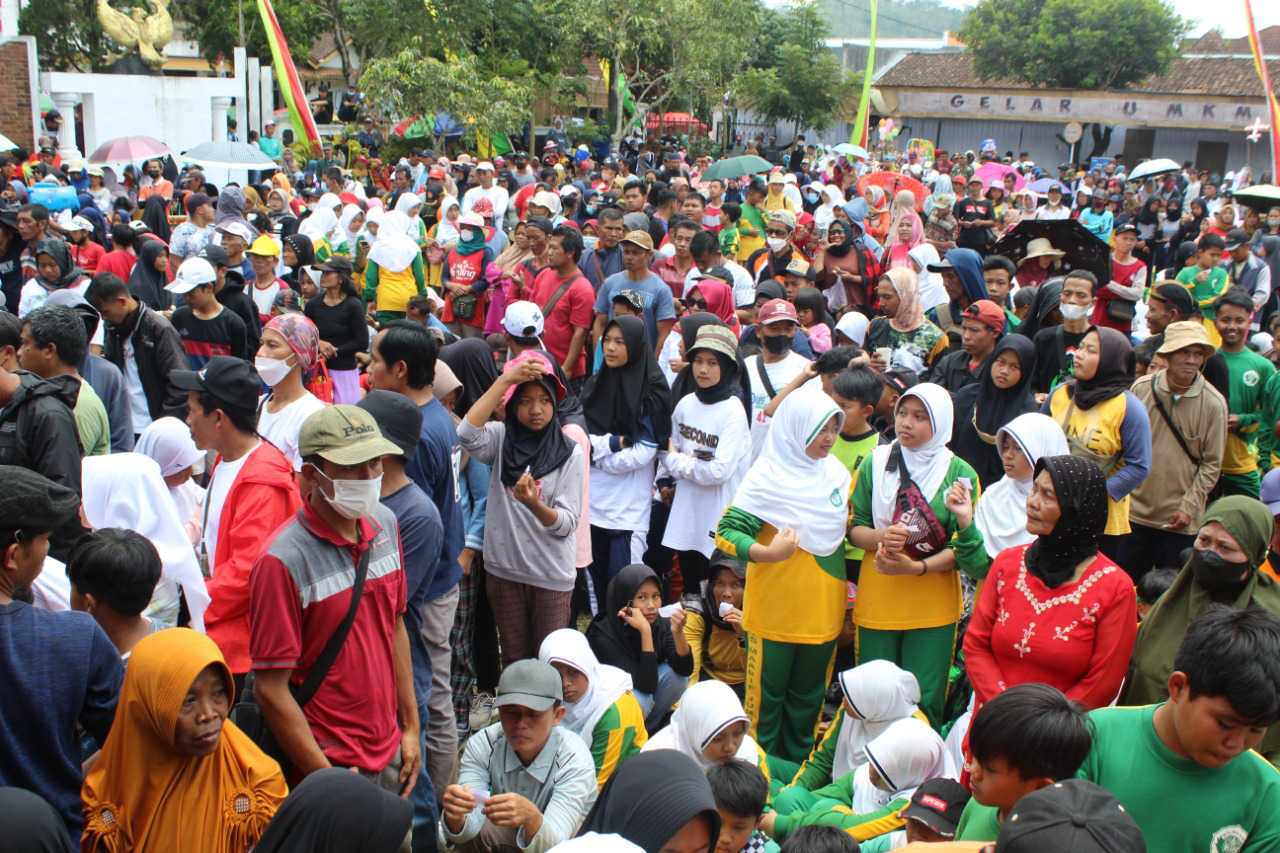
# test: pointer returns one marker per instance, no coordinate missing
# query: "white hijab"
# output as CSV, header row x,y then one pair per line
x,y
374,216
706,709
127,490
168,442
825,214
329,201
1001,514
320,225
932,291
407,202
881,692
446,231
396,248
906,755
605,684
349,213
854,326
927,464
787,488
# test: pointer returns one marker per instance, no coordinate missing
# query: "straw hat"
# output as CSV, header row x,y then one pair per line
x,y
1041,247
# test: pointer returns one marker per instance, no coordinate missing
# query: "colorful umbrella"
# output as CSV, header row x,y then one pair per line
x,y
1083,249
891,183
736,167
128,149
993,173
1041,187
675,121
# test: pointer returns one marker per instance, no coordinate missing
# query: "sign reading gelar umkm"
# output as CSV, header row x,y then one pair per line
x,y
1171,111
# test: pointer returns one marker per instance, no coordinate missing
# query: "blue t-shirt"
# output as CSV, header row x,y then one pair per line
x,y
421,538
434,468
658,304
58,669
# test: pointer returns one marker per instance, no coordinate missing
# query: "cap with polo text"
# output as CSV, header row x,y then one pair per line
x,y
344,435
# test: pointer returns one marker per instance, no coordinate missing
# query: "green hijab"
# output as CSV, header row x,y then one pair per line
x,y
479,237
1250,523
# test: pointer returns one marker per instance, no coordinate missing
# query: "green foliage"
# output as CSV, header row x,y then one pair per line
x,y
68,35
1073,44
215,26
410,83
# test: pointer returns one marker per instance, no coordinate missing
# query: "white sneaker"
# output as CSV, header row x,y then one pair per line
x,y
481,711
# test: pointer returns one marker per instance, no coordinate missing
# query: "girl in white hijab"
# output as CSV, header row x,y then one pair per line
x,y
599,705
912,507
1001,515
447,232
825,214
853,325
320,227
329,201
351,221
932,291
710,726
127,490
168,441
411,206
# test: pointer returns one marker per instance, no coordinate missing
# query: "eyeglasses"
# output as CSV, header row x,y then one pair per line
x,y
697,303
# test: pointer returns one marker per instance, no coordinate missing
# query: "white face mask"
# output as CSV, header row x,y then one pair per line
x,y
272,370
777,244
354,499
1074,312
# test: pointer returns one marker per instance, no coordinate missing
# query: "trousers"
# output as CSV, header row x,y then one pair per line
x,y
785,688
924,652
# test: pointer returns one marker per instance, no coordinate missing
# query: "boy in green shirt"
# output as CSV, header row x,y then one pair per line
x,y
1185,769
1026,738
856,391
1249,373
730,213
1206,280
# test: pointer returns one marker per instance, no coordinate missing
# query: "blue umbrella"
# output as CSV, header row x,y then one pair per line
x,y
1041,187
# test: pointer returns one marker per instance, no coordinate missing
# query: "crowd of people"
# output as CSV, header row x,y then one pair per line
x,y
542,503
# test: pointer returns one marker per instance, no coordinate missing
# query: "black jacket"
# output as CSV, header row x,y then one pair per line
x,y
158,348
952,372
242,305
38,432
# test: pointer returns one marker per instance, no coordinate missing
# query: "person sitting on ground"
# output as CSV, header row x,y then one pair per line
x,y
371,820
113,573
932,817
741,794
710,726
527,750
714,634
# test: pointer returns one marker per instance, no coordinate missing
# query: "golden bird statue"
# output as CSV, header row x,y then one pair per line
x,y
149,33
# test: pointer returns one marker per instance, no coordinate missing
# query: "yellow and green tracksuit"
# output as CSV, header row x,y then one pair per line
x,y
391,291
618,735
829,806
792,612
720,656
815,772
1250,375
911,620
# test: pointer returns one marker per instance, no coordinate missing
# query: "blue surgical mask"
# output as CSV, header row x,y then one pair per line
x,y
588,243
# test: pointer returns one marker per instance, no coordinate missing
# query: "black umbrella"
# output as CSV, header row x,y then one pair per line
x,y
1083,249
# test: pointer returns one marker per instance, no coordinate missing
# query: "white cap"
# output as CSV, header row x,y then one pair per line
x,y
568,190
546,199
193,273
239,229
484,165
79,223
1263,343
790,178
269,121
472,219
523,320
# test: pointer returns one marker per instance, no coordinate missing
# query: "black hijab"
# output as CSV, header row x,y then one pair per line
x,y
306,252
616,399
146,283
155,213
1048,296
31,824
621,591
1148,214
689,325
982,408
1081,489
471,360
337,811
651,797
542,451
570,408
1115,373
772,288
845,246
69,274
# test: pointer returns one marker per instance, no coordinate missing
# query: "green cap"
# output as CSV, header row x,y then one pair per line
x,y
347,435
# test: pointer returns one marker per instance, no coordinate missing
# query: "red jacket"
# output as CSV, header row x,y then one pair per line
x,y
262,499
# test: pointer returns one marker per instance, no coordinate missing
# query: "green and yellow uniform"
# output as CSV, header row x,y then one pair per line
x,y
1250,374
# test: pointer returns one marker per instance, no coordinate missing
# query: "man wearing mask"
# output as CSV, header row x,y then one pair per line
x,y
775,366
1056,344
770,261
157,186
606,258
483,173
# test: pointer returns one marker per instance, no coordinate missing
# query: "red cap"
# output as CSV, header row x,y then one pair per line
x,y
775,311
436,173
987,312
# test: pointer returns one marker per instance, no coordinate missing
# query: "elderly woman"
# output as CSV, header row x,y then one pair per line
x,y
1223,570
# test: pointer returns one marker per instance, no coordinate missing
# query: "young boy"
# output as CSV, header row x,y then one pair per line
x,y
1185,769
1024,739
741,793
207,328
628,303
856,391
998,273
113,574
730,240
1249,373
932,817
1206,280
820,839
1151,586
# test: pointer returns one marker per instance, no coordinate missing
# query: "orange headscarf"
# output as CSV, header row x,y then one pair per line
x,y
280,182
143,795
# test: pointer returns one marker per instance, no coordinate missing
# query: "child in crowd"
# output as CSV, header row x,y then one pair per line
x,y
730,239
741,794
1206,280
206,327
811,311
113,574
932,817
1151,586
715,634
820,839
710,727
628,303
856,391
998,273
1022,298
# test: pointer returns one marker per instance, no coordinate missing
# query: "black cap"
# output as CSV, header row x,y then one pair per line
x,y
1126,228
215,255
31,504
1236,238
542,223
337,264
610,164
399,419
721,560
941,265
9,217
901,379
720,274
1177,295
232,380
1071,816
938,804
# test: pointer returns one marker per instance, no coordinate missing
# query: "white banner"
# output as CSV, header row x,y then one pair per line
x,y
1169,111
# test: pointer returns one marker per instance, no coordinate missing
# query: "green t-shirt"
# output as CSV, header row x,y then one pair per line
x,y
1249,374
92,422
729,241
1204,292
978,823
1182,806
851,450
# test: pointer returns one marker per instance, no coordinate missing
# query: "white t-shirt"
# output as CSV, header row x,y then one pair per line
x,y
133,383
264,297
780,374
744,287
283,427
621,484
704,487
224,477
495,194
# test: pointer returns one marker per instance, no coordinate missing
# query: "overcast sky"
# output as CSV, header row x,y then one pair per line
x,y
1228,14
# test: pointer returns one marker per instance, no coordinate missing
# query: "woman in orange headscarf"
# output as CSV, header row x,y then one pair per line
x,y
174,774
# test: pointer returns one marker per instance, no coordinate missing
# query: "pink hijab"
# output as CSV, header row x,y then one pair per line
x,y
910,314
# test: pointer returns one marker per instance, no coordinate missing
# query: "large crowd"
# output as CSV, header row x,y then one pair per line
x,y
653,503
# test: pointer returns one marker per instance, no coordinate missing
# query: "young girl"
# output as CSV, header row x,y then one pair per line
x,y
708,452
1001,515
535,495
981,408
710,727
599,705
630,634
788,520
811,311
394,272
715,634
909,592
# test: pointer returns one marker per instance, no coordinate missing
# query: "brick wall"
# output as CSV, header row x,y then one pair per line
x,y
16,109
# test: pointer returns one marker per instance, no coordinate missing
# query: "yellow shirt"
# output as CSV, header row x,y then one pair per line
x,y
1098,430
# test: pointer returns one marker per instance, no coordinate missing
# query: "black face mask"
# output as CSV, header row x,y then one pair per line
x,y
1214,572
154,173
776,344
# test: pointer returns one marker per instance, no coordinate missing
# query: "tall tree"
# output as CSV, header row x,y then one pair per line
x,y
1073,44
68,34
215,26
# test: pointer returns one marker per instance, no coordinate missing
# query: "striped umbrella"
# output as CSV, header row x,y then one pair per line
x,y
229,155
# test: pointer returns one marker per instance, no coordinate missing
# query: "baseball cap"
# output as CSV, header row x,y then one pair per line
x,y
213,254
720,274
193,273
632,297
938,804
484,166
1261,341
640,239
549,200
531,684
542,223
901,379
799,266
786,217
232,380
436,173
1126,228
273,121
523,319
1071,816
1183,334
1174,294
716,338
79,223
398,418
1236,238
986,312
777,178
1271,491
776,311
264,246
471,218
31,504
240,229
337,264
345,435
287,301
721,560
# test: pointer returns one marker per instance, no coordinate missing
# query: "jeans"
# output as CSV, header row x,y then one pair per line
x,y
656,705
423,796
